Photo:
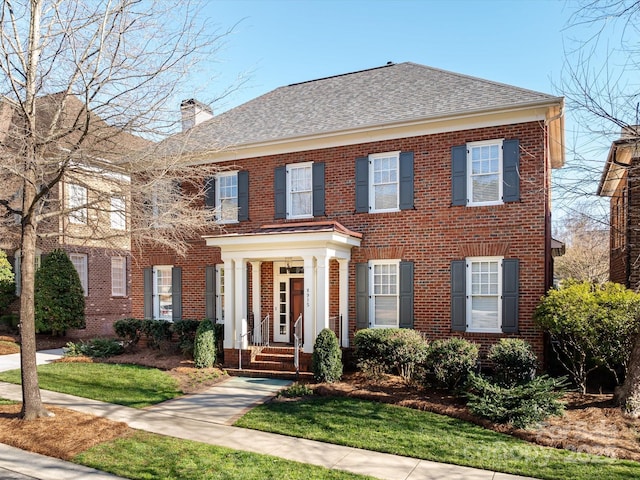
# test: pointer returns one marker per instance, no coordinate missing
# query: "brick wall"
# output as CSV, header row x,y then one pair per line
x,y
431,235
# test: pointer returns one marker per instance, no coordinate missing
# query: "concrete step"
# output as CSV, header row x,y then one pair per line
x,y
287,375
274,357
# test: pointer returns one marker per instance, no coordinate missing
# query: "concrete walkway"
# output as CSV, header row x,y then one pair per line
x,y
206,417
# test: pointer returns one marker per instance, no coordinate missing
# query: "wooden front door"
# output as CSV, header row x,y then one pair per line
x,y
296,307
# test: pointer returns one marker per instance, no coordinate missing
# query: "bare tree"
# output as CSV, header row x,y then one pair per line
x,y
601,86
78,79
587,248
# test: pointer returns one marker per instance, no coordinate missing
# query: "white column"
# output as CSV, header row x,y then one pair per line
x,y
309,304
230,337
343,285
240,302
322,293
255,300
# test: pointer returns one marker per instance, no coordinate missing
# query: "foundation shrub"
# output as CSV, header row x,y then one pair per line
x,y
96,348
185,331
514,362
451,361
158,333
204,349
129,330
327,357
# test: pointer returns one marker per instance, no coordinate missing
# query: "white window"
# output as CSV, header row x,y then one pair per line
x,y
484,164
299,190
79,261
77,203
164,199
384,189
16,268
484,284
118,219
118,277
383,282
227,197
162,296
220,294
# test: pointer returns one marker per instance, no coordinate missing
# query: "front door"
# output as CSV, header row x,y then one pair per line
x,y
297,304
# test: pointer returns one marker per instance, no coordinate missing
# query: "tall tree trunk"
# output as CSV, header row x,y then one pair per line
x,y
628,395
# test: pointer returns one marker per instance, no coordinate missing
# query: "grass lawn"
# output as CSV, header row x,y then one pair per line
x,y
149,456
413,433
129,385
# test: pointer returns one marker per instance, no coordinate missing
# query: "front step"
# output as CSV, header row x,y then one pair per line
x,y
256,373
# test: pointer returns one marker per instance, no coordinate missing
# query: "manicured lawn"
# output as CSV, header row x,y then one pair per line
x,y
413,433
149,456
129,385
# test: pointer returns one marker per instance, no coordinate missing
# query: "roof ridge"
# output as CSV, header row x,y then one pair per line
x,y
388,64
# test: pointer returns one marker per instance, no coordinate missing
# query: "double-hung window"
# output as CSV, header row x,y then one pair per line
x,y
299,190
162,286
118,276
484,163
77,203
484,283
227,197
383,283
118,219
162,293
79,261
384,177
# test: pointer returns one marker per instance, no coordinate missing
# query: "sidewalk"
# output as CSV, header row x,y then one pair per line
x,y
206,417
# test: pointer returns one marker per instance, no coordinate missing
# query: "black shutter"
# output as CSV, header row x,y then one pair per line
x,y
210,192
210,293
362,184
280,192
176,294
147,274
459,175
318,189
511,171
406,295
510,293
362,295
406,180
458,295
243,196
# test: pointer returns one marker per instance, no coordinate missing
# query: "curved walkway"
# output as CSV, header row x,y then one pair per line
x,y
206,417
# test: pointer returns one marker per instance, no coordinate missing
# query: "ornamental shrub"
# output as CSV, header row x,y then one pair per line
x,y
204,348
7,282
327,357
59,297
520,405
185,331
514,362
129,330
96,348
371,351
451,361
158,333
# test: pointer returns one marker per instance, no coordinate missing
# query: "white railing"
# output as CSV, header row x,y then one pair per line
x,y
256,337
297,342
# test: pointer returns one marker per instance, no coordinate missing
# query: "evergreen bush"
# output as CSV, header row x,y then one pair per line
x,y
96,348
129,330
327,357
7,283
204,349
185,331
158,333
371,348
451,361
514,362
59,297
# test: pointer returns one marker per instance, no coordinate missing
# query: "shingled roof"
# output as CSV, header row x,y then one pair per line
x,y
391,94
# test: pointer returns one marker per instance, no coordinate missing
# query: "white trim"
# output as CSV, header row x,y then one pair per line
x,y
373,295
220,299
277,279
485,143
372,193
289,204
470,295
157,312
218,189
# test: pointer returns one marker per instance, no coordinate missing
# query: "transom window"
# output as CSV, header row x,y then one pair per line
x,y
384,293
485,166
227,197
485,284
76,202
299,190
383,174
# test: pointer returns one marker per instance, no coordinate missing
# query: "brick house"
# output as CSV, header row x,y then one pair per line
x,y
97,200
620,181
399,196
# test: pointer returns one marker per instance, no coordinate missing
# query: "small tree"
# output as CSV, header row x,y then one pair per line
x,y
7,282
327,357
590,326
59,296
204,348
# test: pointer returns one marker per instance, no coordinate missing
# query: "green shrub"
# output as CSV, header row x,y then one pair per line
x,y
158,333
7,282
11,321
129,330
96,348
590,326
296,390
327,357
521,405
204,349
452,360
59,297
384,350
185,331
514,362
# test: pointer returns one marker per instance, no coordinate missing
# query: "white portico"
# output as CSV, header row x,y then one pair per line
x,y
301,254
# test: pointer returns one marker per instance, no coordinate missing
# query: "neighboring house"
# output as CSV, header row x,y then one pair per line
x,y
399,196
94,232
620,179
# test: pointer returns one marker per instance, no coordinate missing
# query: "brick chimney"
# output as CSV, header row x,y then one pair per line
x,y
193,113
